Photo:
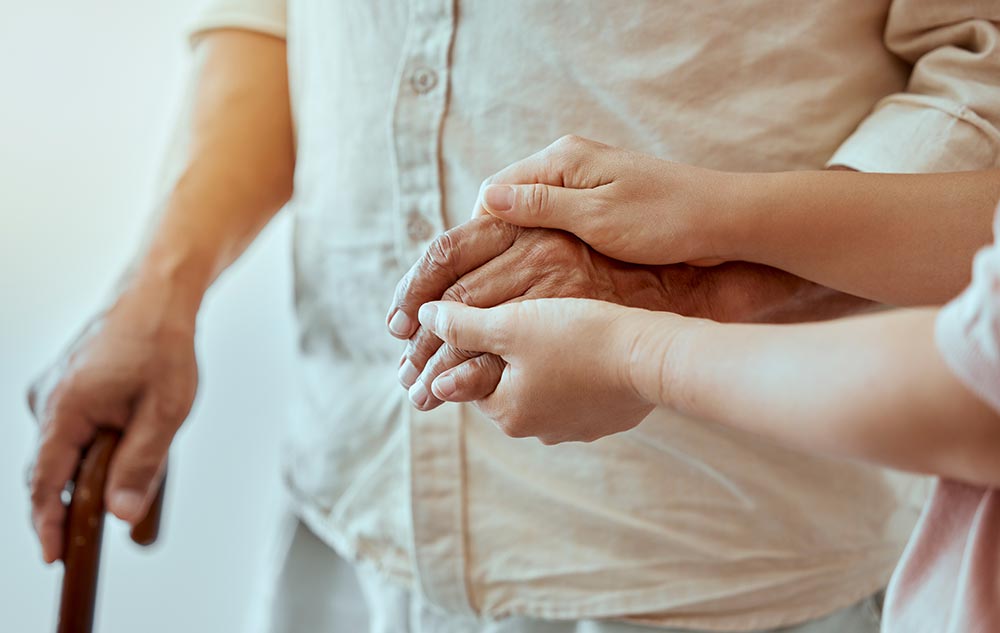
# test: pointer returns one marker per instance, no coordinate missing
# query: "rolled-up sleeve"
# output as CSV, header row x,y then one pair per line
x,y
261,16
948,119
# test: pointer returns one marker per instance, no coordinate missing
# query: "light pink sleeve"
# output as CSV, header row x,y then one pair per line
x,y
968,328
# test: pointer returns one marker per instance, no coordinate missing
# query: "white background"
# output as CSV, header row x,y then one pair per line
x,y
88,91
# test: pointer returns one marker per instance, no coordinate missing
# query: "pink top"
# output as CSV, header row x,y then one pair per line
x,y
948,580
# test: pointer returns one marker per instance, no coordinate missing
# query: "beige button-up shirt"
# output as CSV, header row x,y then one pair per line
x,y
403,107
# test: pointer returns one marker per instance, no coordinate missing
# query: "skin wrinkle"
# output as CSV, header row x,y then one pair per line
x,y
556,264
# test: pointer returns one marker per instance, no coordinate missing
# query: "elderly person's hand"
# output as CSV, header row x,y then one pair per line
x,y
626,205
132,369
567,375
486,262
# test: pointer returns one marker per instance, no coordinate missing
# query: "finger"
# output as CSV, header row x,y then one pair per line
x,y
419,349
496,282
57,460
502,406
450,256
464,327
539,205
571,162
475,379
137,466
445,358
537,168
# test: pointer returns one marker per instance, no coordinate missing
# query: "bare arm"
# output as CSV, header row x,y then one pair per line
x,y
903,239
133,368
872,387
235,164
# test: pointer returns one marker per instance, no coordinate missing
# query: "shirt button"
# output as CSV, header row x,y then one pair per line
x,y
423,80
418,228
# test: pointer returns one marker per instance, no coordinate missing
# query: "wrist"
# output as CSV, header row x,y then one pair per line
x,y
758,218
152,308
166,287
651,352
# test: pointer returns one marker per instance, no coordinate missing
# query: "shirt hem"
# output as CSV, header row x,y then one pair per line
x,y
355,551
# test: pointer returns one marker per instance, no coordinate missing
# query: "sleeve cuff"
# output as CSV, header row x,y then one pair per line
x,y
917,134
268,24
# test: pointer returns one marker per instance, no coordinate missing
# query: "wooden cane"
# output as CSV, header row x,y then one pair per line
x,y
84,530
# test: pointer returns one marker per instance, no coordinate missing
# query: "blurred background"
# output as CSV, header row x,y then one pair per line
x,y
89,93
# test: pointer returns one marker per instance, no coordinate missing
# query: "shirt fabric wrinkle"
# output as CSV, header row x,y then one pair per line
x,y
403,107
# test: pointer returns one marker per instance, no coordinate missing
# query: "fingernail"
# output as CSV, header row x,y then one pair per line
x,y
408,374
400,324
125,504
444,386
418,395
499,197
428,312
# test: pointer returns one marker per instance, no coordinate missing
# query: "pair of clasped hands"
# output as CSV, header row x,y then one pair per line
x,y
535,308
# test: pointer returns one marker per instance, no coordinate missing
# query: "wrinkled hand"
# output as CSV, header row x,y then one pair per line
x,y
486,262
130,370
567,376
626,205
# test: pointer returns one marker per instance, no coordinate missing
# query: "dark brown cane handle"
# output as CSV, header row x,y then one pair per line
x,y
84,529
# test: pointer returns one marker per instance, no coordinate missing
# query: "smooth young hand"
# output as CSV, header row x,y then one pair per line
x,y
567,373
911,237
626,205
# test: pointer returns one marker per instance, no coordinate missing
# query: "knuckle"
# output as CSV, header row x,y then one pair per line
x,y
140,468
569,143
441,252
459,292
544,249
170,409
421,347
39,496
493,364
36,489
537,199
447,328
39,489
571,148
456,355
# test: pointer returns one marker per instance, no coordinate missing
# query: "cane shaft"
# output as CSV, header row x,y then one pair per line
x,y
84,531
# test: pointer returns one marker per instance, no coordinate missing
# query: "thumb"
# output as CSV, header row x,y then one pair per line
x,y
465,327
532,205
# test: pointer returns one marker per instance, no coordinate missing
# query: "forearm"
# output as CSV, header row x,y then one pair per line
x,y
903,239
231,173
872,387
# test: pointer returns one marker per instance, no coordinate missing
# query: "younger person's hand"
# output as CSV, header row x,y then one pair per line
x,y
626,205
567,369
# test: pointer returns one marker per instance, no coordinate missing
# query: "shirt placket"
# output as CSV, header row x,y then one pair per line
x,y
436,476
